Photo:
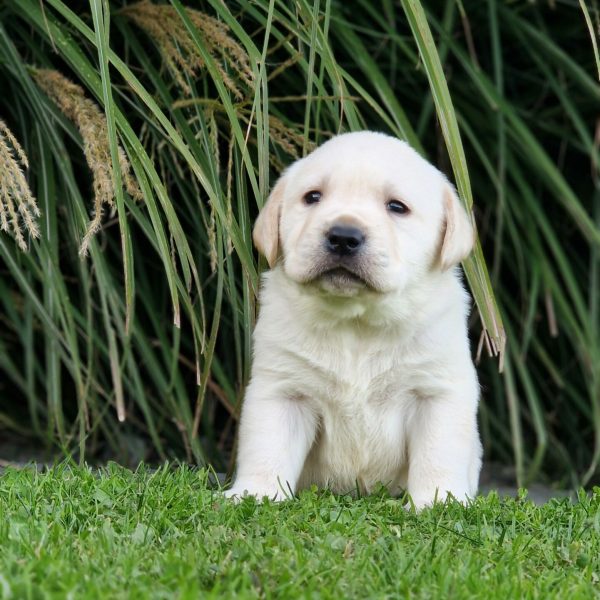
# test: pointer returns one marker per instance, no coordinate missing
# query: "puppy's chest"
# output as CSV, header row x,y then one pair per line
x,y
349,377
363,403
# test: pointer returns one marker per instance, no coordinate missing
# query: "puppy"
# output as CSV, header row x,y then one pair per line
x,y
362,373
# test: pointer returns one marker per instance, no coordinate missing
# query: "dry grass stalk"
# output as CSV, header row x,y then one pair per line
x,y
213,131
179,51
91,123
229,191
18,208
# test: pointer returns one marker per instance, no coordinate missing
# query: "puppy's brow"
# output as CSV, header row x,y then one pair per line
x,y
389,190
320,184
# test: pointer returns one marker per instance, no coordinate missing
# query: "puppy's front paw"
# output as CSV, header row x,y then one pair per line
x,y
260,492
234,494
424,500
419,503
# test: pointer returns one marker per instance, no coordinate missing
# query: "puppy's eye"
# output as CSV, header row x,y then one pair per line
x,y
398,207
312,197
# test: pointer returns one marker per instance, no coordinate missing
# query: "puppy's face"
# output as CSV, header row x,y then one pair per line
x,y
364,212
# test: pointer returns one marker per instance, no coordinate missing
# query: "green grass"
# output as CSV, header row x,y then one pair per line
x,y
73,532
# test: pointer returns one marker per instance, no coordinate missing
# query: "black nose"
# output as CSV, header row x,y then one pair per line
x,y
344,240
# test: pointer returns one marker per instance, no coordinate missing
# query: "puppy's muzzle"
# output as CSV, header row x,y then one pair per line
x,y
344,240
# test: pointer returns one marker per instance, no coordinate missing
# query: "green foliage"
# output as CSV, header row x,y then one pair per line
x,y
148,337
75,532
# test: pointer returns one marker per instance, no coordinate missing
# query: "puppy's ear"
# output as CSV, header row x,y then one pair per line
x,y
266,228
459,233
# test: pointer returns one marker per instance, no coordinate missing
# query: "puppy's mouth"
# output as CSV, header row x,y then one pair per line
x,y
343,277
341,280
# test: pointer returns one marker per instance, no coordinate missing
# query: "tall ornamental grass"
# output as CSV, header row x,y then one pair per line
x,y
138,140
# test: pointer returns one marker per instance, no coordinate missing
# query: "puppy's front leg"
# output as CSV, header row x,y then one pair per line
x,y
276,433
444,449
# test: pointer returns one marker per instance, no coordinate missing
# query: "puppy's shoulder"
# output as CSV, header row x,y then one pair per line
x,y
446,330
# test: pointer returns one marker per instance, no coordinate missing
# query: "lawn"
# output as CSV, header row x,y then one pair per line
x,y
76,532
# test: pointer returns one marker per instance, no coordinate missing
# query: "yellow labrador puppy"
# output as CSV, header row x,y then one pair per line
x,y
362,372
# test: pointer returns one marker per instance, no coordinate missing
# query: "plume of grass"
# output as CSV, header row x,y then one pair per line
x,y
286,137
18,209
91,124
179,51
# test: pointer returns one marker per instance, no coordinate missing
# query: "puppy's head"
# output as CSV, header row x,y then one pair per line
x,y
363,212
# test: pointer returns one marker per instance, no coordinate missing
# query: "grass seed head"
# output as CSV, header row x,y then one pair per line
x,y
179,50
290,140
18,208
91,123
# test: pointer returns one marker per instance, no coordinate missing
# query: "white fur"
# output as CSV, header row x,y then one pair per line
x,y
356,385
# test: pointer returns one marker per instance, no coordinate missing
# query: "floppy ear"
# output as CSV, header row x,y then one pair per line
x,y
459,233
266,228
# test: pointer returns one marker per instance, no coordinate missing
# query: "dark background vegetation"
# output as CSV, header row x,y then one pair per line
x,y
523,80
